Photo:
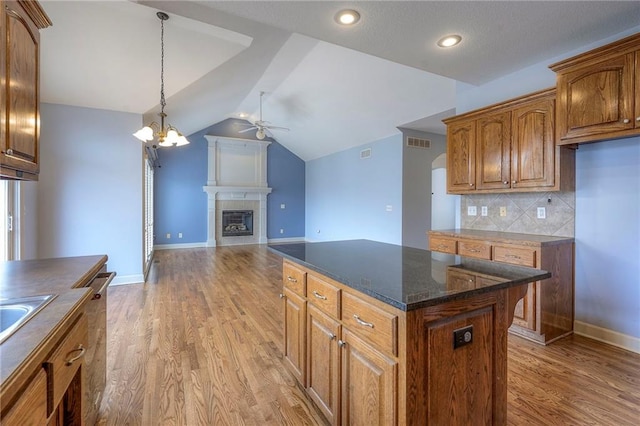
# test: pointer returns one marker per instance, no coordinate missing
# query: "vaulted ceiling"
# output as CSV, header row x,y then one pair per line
x,y
334,87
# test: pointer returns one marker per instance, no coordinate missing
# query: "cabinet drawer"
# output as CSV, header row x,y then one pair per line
x,y
481,250
31,408
294,279
445,245
66,361
516,255
324,295
371,323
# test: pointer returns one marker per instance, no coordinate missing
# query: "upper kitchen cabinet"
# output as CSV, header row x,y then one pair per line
x,y
599,93
508,147
20,84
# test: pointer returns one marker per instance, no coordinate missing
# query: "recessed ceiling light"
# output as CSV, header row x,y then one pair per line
x,y
347,17
449,41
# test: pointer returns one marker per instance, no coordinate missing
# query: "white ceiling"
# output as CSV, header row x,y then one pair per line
x,y
334,87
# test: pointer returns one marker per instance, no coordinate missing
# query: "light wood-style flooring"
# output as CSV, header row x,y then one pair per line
x,y
200,344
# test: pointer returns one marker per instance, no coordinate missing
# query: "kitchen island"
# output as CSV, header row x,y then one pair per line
x,y
60,352
383,334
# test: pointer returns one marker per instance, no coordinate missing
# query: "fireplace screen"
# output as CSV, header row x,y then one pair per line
x,y
237,223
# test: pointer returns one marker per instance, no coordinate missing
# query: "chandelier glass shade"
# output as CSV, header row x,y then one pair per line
x,y
165,135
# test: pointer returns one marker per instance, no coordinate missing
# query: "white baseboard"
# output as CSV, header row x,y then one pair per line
x,y
610,337
127,279
179,246
286,240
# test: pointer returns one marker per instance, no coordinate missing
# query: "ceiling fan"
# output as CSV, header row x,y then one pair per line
x,y
262,127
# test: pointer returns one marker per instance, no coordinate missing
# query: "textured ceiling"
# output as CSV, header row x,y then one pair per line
x,y
334,87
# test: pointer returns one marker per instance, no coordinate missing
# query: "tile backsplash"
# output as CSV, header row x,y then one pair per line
x,y
521,213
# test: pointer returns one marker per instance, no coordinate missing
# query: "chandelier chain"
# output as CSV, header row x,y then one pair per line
x,y
162,101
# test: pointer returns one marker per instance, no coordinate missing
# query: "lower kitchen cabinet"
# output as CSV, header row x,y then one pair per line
x,y
31,408
369,383
546,312
323,362
295,320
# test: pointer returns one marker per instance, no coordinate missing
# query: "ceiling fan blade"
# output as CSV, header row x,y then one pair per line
x,y
278,128
248,130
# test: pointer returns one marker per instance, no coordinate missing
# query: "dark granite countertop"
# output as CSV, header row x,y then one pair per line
x,y
404,277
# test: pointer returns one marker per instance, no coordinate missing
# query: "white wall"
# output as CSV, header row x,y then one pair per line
x,y
607,239
89,194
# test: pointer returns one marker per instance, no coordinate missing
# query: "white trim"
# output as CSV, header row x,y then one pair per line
x,y
286,240
178,246
127,279
610,337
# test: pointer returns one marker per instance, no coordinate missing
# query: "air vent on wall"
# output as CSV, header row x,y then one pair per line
x,y
365,153
419,143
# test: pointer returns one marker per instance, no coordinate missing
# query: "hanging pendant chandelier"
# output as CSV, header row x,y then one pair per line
x,y
169,135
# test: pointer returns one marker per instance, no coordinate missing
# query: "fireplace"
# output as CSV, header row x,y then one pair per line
x,y
236,223
236,183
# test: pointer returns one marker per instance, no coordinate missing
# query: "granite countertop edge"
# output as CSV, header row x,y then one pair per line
x,y
403,306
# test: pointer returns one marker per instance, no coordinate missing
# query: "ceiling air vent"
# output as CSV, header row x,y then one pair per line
x,y
365,153
419,143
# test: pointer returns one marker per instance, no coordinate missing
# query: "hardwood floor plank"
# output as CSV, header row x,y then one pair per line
x,y
201,344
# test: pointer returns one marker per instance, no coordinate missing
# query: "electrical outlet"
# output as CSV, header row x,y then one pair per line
x,y
462,336
168,236
503,211
472,211
281,231
389,208
282,206
542,213
484,211
179,234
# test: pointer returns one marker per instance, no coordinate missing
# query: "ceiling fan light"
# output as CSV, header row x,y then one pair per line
x,y
145,134
260,134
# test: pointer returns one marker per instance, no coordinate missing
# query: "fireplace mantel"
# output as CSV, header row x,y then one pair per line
x,y
237,179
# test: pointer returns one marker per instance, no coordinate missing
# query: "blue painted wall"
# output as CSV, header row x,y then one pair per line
x,y
181,204
89,194
347,196
607,283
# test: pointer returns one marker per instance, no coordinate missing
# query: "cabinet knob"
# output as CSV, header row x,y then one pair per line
x,y
342,343
506,182
281,296
638,118
513,182
470,184
332,336
9,151
626,121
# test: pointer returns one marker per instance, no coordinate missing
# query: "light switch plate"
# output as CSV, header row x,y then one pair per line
x,y
484,211
503,211
542,213
472,211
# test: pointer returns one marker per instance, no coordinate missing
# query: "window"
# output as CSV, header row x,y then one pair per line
x,y
148,215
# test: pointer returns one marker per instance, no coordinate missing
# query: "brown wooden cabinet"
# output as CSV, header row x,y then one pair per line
x,y
508,147
599,93
546,312
20,76
31,408
295,321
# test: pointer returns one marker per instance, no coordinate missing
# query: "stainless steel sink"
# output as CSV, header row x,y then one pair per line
x,y
15,312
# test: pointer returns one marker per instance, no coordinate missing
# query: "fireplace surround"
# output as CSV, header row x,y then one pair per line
x,y
236,180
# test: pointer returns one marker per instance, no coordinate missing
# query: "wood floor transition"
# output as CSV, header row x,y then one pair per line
x,y
200,344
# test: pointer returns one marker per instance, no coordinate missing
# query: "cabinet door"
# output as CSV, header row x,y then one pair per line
x,y
295,320
461,160
533,161
637,90
323,362
493,151
31,408
596,100
369,384
20,90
